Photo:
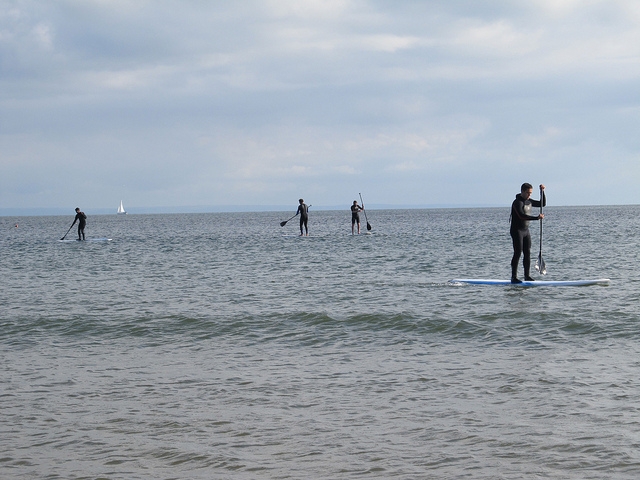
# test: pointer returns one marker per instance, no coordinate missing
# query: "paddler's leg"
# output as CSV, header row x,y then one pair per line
x,y
526,250
517,251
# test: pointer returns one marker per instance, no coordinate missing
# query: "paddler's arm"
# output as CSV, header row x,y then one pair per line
x,y
518,211
536,203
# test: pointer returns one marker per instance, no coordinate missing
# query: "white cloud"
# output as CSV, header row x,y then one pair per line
x,y
388,43
43,36
495,39
541,139
309,9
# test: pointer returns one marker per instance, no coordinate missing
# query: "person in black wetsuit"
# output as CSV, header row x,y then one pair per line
x,y
81,218
355,216
520,217
303,210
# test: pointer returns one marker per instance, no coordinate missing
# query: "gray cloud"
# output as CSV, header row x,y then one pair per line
x,y
201,103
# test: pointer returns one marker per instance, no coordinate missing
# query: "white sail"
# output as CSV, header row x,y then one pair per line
x,y
121,209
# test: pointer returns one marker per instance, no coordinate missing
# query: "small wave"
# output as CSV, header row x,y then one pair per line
x,y
443,323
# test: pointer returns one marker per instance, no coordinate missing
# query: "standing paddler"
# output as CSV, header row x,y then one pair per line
x,y
355,216
303,210
81,218
520,218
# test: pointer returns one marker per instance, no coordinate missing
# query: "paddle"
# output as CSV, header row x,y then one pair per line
x,y
282,224
67,232
365,212
540,266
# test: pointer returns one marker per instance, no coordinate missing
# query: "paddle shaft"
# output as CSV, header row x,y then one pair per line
x,y
67,231
365,212
541,203
282,224
540,266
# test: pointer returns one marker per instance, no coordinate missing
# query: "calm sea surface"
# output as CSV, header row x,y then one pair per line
x,y
215,346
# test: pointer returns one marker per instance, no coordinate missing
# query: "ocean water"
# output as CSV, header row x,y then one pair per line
x,y
216,346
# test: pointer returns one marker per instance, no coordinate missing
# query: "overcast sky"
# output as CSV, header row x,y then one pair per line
x,y
185,103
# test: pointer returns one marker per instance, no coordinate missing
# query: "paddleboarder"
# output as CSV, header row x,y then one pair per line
x,y
303,210
355,216
519,231
81,218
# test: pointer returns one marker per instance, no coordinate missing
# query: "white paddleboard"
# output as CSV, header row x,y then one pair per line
x,y
73,240
534,283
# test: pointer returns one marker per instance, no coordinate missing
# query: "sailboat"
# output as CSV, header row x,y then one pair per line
x,y
121,210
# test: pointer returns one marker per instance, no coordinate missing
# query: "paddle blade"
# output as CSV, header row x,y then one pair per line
x,y
540,266
368,226
282,224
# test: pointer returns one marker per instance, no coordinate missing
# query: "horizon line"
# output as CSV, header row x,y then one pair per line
x,y
53,211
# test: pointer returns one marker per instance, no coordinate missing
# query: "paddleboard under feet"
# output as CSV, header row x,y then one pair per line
x,y
73,240
533,283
